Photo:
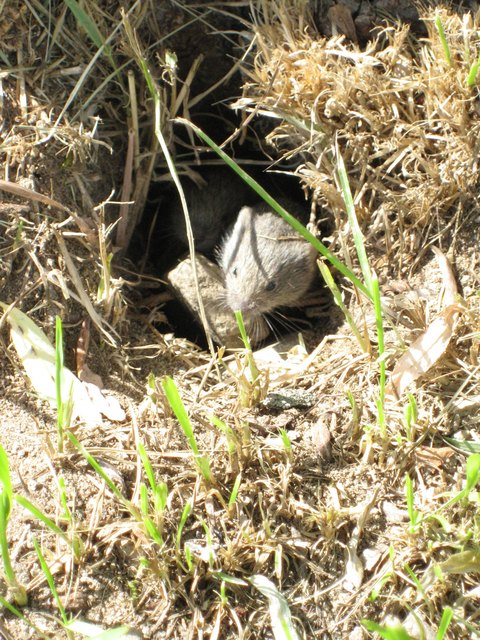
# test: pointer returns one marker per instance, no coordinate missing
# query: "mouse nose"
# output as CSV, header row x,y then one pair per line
x,y
237,303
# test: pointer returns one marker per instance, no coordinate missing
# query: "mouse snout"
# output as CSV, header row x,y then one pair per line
x,y
238,303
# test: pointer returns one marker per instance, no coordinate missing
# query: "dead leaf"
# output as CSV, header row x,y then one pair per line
x,y
108,406
40,363
434,456
424,352
450,284
462,562
87,375
432,344
322,438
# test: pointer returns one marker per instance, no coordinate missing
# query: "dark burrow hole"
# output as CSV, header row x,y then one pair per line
x,y
159,242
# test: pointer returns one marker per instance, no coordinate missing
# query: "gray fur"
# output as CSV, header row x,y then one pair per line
x,y
266,264
211,207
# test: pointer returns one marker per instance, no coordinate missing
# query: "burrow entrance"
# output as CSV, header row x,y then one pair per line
x,y
214,193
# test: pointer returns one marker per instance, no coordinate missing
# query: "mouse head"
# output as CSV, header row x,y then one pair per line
x,y
266,264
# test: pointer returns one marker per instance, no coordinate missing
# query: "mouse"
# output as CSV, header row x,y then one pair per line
x,y
266,264
212,207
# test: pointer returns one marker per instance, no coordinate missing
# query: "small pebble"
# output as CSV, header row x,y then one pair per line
x,y
290,399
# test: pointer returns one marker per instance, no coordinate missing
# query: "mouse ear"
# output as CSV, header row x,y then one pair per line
x,y
245,215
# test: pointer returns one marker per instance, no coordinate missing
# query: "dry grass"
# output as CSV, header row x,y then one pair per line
x,y
334,535
404,119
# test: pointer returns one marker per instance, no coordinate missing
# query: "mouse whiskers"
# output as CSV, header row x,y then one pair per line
x,y
283,324
268,319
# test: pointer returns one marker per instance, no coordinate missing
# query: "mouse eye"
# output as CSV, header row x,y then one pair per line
x,y
271,285
235,271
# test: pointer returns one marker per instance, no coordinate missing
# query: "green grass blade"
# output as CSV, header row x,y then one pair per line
x,y
147,466
411,573
159,489
185,513
411,415
180,412
173,397
94,464
377,303
243,332
144,501
280,616
148,523
447,616
472,472
18,614
67,514
58,360
5,478
50,580
188,557
254,372
472,74
204,467
380,332
223,594
6,499
75,543
443,40
287,443
10,576
228,579
229,433
472,478
353,222
39,515
86,23
376,590
59,381
337,296
153,532
108,481
161,497
386,632
464,445
234,492
293,222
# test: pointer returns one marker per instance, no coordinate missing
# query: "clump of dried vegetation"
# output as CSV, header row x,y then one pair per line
x,y
175,531
402,113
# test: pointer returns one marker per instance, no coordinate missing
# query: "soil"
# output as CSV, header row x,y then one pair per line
x,y
298,509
